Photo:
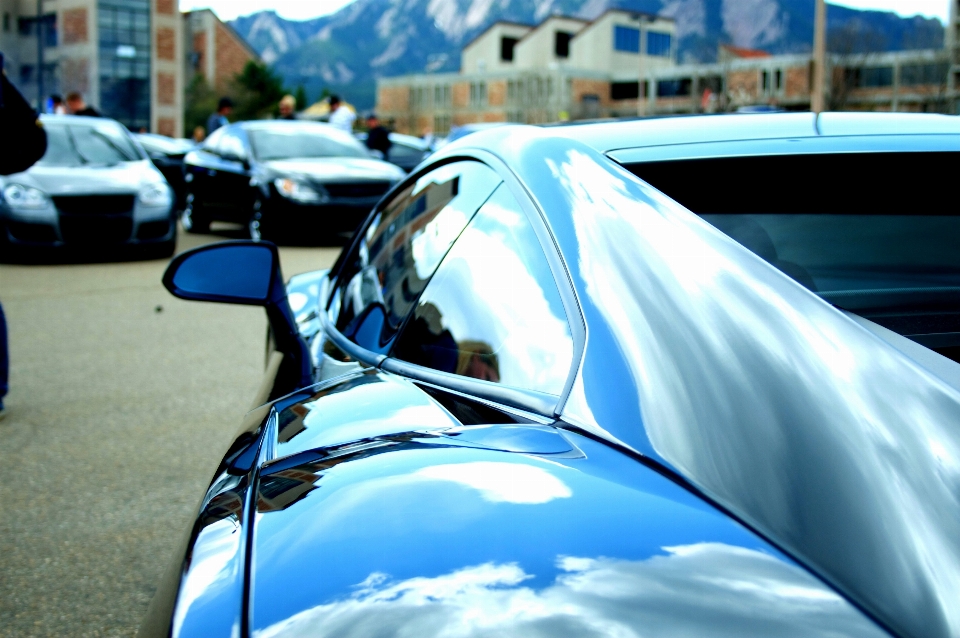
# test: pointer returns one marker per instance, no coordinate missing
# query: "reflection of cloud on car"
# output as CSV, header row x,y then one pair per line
x,y
93,189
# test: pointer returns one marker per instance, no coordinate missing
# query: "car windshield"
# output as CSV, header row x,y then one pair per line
x,y
99,142
872,233
296,142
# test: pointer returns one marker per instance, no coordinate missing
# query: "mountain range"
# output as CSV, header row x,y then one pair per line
x,y
347,51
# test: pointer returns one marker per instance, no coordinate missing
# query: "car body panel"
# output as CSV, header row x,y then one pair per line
x,y
706,358
416,534
799,470
333,169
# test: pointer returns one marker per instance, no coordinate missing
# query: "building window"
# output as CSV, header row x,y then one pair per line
x,y
626,39
506,48
561,44
875,77
624,90
124,32
482,94
659,44
28,27
6,22
778,80
919,74
674,88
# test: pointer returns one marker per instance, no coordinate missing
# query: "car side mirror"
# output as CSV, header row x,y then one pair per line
x,y
231,272
245,272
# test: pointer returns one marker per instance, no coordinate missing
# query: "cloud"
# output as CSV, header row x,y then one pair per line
x,y
502,482
703,589
290,9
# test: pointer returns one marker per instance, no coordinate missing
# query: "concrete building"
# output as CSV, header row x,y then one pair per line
x,y
214,49
125,56
535,74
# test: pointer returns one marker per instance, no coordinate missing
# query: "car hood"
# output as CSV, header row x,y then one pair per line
x,y
126,177
337,169
418,529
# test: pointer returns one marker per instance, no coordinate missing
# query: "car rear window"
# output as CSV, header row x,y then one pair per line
x,y
872,233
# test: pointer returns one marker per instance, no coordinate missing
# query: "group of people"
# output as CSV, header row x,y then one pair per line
x,y
73,105
341,117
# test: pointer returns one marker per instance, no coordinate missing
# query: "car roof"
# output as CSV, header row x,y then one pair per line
x,y
609,137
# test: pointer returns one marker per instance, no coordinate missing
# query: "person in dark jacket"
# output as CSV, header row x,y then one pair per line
x,y
25,142
218,119
378,137
288,107
76,105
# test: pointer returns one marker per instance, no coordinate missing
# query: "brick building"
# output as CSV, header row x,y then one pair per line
x,y
125,56
570,69
214,49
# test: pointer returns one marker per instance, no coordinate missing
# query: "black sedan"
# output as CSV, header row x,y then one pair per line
x,y
275,176
93,189
537,397
167,155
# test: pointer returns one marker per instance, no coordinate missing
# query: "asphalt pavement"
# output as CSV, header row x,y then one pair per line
x,y
123,399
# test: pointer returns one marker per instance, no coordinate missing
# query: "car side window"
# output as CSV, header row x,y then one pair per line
x,y
492,311
401,249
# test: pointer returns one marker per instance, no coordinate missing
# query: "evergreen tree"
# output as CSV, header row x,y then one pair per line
x,y
258,90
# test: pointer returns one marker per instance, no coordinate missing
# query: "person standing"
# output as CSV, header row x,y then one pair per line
x,y
378,137
218,119
57,107
287,106
341,116
76,105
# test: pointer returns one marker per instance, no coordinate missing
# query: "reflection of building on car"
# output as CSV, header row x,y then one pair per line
x,y
277,176
564,379
93,188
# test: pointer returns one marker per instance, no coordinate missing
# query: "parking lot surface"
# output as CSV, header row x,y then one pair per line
x,y
122,401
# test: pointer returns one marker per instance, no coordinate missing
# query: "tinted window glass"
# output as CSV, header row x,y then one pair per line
x,y
492,311
101,142
886,249
404,245
284,142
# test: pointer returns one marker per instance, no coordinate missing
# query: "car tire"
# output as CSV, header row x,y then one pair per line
x,y
255,225
193,220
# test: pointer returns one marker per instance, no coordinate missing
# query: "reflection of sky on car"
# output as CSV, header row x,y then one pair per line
x,y
490,290
745,382
366,514
693,590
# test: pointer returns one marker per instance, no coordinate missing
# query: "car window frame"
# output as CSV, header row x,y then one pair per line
x,y
543,404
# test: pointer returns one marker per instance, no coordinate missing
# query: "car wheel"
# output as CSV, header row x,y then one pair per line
x,y
193,220
255,223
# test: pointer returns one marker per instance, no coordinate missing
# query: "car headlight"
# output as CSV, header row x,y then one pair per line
x,y
155,195
18,196
300,192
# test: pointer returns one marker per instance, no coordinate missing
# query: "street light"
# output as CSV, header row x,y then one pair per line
x,y
642,19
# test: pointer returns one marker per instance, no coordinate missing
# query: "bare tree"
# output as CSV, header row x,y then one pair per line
x,y
852,47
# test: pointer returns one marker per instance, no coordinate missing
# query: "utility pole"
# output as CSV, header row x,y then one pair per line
x,y
40,55
641,19
817,98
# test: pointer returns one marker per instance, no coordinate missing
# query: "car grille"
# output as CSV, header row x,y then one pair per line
x,y
94,204
96,230
357,191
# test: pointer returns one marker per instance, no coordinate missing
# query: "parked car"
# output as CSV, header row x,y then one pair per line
x,y
406,151
94,188
274,176
167,155
537,397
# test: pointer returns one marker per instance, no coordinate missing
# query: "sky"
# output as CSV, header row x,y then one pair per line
x,y
304,9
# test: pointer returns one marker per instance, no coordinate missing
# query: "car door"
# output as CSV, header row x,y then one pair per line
x,y
233,192
201,168
380,279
